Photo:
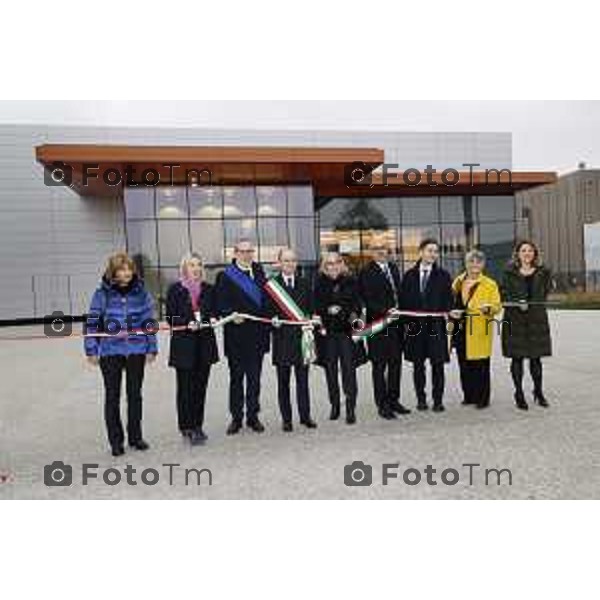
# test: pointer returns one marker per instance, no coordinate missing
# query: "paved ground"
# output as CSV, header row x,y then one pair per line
x,y
51,408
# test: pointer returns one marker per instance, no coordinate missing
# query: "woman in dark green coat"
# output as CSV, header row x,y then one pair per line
x,y
526,330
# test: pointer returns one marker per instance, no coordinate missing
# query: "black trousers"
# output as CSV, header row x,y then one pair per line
x,y
475,380
386,381
342,354
438,380
112,368
284,373
535,370
191,397
244,371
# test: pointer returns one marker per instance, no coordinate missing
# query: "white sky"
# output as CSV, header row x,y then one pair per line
x,y
547,135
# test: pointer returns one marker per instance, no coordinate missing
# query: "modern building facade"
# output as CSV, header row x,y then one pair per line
x,y
276,188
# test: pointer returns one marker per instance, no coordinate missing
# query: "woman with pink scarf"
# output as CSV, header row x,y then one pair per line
x,y
193,350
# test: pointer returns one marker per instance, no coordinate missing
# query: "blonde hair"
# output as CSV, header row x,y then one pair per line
x,y
185,260
117,261
331,256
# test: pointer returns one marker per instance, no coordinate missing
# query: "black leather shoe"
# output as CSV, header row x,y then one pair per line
x,y
118,451
186,433
234,427
334,415
256,426
350,416
309,424
482,405
439,407
386,414
422,405
288,427
139,445
520,401
400,409
197,438
538,398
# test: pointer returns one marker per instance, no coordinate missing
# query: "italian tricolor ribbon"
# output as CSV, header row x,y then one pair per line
x,y
293,312
378,325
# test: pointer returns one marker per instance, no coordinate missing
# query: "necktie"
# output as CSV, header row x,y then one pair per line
x,y
424,280
388,274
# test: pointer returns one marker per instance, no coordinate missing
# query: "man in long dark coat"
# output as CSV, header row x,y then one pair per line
x,y
239,289
379,284
426,287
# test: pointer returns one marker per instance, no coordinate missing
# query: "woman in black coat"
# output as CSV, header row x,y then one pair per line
x,y
190,303
525,328
337,304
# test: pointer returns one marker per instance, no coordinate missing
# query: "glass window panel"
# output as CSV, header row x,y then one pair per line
x,y
454,241
271,201
208,240
173,241
272,237
420,211
236,229
496,240
141,242
302,238
331,214
171,202
496,208
412,237
456,209
300,201
206,202
239,201
139,202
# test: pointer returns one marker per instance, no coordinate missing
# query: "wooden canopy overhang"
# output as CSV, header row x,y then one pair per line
x,y
326,169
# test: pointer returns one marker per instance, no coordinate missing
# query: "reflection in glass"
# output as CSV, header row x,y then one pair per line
x,y
272,237
139,202
171,202
413,236
173,241
420,210
302,237
300,201
456,209
208,240
271,201
496,208
239,201
206,202
141,242
236,229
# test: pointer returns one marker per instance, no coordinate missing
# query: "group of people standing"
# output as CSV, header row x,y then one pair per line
x,y
418,316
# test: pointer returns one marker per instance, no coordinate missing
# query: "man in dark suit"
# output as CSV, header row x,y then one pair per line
x,y
239,289
427,287
287,339
379,284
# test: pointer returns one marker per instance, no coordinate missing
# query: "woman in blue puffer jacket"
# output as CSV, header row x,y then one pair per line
x,y
122,307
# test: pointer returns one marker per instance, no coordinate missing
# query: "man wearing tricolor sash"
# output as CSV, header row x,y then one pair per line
x,y
379,283
239,289
291,300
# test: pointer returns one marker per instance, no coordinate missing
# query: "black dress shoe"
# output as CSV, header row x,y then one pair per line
x,y
422,405
400,409
139,445
466,402
309,424
118,451
386,414
287,427
350,417
186,433
197,438
538,398
439,407
234,427
334,415
482,405
256,425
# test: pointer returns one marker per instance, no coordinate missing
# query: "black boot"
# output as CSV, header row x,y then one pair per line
x,y
539,398
520,400
350,412
334,415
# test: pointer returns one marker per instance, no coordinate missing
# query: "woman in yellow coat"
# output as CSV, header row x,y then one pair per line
x,y
477,300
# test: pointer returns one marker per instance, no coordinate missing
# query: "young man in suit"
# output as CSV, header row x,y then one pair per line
x,y
239,289
427,287
379,284
287,339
